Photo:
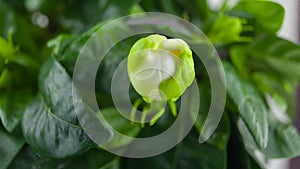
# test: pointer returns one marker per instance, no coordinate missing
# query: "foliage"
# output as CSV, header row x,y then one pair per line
x,y
39,127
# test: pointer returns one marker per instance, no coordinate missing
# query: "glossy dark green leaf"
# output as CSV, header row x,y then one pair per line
x,y
270,19
188,154
10,146
66,48
50,123
251,106
51,136
92,159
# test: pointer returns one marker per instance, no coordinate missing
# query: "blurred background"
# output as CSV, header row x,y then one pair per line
x,y
290,30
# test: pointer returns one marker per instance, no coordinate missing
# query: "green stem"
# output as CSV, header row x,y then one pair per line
x,y
173,107
157,116
135,107
144,115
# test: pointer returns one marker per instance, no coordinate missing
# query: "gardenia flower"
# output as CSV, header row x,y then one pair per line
x,y
160,69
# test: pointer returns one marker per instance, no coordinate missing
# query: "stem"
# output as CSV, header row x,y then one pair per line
x,y
173,107
144,115
157,116
136,105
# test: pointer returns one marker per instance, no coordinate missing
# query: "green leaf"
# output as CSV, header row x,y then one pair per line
x,y
268,15
5,79
50,123
277,89
12,105
226,30
51,136
266,45
92,159
272,63
11,53
17,69
281,65
109,64
189,154
106,71
68,51
220,137
115,164
120,124
239,56
79,16
251,106
60,44
23,32
6,48
10,146
284,141
66,48
283,138
240,156
24,60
